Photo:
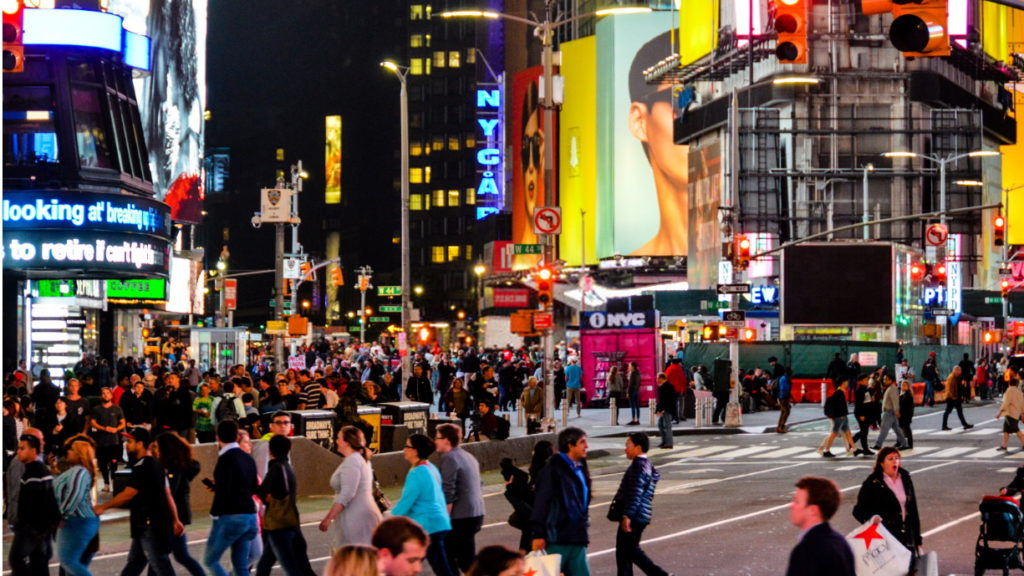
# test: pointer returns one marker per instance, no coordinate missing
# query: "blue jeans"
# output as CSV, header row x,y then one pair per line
x,y
665,427
437,556
148,550
72,539
179,549
289,547
634,406
234,531
929,393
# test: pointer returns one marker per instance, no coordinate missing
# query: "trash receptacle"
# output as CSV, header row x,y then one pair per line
x,y
372,415
413,415
317,425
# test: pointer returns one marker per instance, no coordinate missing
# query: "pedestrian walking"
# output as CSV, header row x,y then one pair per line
x,y
38,514
633,507
665,410
354,514
234,512
954,399
615,387
1011,409
838,412
930,375
106,424
889,493
561,516
79,526
574,384
782,384
890,415
423,501
462,487
154,515
907,411
174,453
633,391
401,546
863,401
821,551
532,399
281,526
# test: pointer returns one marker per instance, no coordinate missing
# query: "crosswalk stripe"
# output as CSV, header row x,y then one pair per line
x,y
706,450
988,453
743,452
984,432
782,452
950,452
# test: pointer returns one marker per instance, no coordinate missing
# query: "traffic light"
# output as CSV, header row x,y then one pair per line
x,y
364,283
741,252
917,272
713,332
791,27
748,334
336,278
990,336
999,230
14,50
1005,287
919,27
545,279
939,272
305,269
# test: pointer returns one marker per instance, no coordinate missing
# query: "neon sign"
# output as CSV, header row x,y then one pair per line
x,y
115,212
104,252
490,146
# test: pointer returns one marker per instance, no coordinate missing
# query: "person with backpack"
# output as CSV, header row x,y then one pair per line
x,y
230,406
838,412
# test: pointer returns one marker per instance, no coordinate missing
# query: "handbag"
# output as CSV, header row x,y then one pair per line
x,y
281,512
539,563
876,552
379,497
615,511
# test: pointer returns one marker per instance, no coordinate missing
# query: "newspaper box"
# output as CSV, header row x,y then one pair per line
x,y
413,415
317,425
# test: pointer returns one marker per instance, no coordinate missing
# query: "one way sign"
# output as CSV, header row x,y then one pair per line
x,y
734,288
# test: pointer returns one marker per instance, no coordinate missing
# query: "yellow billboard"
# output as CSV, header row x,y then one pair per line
x,y
1013,180
332,160
698,29
578,153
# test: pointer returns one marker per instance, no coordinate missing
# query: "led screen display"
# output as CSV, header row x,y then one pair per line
x,y
838,284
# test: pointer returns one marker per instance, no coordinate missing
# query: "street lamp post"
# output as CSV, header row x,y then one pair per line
x,y
479,270
544,30
403,337
867,210
942,161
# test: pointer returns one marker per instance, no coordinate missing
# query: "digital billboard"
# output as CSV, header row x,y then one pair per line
x,y
642,175
529,138
577,170
172,97
698,29
332,159
838,284
137,289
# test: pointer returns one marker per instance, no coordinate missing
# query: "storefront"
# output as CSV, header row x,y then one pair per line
x,y
616,339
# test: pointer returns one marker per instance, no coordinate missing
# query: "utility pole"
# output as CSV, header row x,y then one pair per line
x,y
365,274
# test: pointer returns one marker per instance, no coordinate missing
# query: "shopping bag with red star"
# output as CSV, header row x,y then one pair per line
x,y
540,564
876,552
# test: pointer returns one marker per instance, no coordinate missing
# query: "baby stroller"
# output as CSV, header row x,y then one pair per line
x,y
1001,521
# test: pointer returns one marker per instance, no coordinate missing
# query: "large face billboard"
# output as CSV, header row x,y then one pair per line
x,y
529,138
643,200
172,97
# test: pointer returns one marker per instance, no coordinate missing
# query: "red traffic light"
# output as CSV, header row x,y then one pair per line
x,y
939,272
919,27
1005,287
999,230
791,27
741,252
917,272
545,279
748,334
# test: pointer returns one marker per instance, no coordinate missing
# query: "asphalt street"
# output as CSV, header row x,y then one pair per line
x,y
722,503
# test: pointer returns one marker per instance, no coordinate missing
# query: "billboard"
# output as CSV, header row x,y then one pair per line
x,y
332,160
529,137
704,165
185,294
172,97
698,29
578,153
838,284
642,174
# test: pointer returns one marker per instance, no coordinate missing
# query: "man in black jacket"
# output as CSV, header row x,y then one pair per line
x,y
837,411
31,549
233,510
665,409
821,551
418,389
560,518
633,507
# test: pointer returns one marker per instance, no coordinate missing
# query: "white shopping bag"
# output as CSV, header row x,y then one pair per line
x,y
876,552
928,564
542,564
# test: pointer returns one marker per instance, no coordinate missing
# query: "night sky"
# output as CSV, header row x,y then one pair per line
x,y
275,69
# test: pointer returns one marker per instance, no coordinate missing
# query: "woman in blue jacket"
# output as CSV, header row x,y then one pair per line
x,y
423,500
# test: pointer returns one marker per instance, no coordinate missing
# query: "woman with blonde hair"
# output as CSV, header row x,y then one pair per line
x,y
354,513
79,524
353,560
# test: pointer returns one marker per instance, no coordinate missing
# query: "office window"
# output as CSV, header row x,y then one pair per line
x,y
415,175
437,143
437,254
470,140
416,66
416,41
426,201
415,148
426,65
428,11
453,198
416,12
415,202
426,175
426,40
471,56
438,198
453,252
470,196
439,59
469,252
453,143
453,59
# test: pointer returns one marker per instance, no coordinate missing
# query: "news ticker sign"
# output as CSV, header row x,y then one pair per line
x,y
86,233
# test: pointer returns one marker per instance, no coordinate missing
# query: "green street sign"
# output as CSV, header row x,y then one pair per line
x,y
390,309
389,290
380,319
287,303
988,300
528,249
353,328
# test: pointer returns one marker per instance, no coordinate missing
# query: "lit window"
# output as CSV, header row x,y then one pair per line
x,y
426,37
471,196
426,175
453,59
426,63
453,142
439,59
426,201
453,198
438,197
437,143
415,175
415,202
415,149
429,10
469,252
416,66
470,140
416,41
437,254
471,56
416,12
453,252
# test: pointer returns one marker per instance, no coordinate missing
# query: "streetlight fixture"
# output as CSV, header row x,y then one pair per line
x,y
941,161
544,30
479,270
401,72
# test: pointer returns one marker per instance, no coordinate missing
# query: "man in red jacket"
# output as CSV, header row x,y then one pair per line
x,y
677,377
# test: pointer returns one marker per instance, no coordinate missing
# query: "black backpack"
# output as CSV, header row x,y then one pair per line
x,y
503,430
226,409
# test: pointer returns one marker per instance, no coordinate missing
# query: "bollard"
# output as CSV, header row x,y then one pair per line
x,y
653,406
824,390
699,414
519,413
613,411
565,413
